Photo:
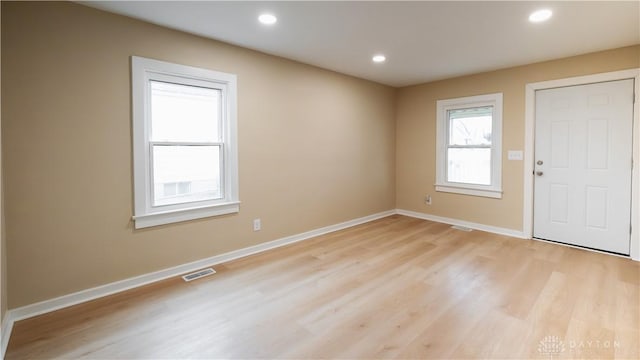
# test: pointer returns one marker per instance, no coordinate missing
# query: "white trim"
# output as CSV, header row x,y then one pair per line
x,y
154,219
143,71
469,191
46,306
634,252
529,141
494,190
5,332
472,225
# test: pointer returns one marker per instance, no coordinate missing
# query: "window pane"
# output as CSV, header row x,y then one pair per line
x,y
184,187
185,174
470,126
184,113
169,189
469,166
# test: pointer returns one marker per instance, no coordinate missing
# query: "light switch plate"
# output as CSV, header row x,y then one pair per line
x,y
514,155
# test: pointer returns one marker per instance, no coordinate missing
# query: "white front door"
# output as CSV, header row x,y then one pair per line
x,y
583,148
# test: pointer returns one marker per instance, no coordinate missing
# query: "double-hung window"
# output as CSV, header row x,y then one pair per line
x,y
468,145
184,142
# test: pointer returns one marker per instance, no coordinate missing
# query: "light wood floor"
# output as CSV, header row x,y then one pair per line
x,y
394,288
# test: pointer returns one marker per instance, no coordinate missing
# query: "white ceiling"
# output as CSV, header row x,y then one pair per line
x,y
423,41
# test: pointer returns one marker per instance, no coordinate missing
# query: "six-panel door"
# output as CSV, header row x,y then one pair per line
x,y
583,162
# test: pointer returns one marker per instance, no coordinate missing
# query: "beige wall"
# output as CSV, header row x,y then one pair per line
x,y
3,252
416,125
315,148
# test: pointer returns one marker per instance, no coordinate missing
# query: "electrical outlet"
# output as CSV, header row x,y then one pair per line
x,y
427,199
257,225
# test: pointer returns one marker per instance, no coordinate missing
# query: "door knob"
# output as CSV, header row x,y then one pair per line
x,y
539,162
539,173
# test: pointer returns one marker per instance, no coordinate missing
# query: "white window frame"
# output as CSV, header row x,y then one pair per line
x,y
143,71
494,190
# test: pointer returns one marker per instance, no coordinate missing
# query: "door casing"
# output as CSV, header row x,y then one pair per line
x,y
529,141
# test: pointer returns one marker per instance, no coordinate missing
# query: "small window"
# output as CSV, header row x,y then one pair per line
x,y
185,152
469,155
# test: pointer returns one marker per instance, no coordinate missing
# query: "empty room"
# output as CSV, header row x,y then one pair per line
x,y
320,180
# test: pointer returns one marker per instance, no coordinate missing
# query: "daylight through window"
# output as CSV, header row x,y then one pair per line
x,y
469,145
185,155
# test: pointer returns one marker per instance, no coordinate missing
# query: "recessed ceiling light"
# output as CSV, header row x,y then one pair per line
x,y
540,15
267,19
378,58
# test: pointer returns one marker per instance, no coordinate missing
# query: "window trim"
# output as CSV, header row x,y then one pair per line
x,y
494,190
143,70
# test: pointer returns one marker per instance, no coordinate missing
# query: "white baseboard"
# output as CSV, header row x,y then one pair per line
x,y
5,332
50,305
46,306
21,313
476,226
498,230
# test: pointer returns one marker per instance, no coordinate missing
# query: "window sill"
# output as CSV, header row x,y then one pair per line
x,y
168,217
490,193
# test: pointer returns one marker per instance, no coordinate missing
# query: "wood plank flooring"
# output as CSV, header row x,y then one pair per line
x,y
394,288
